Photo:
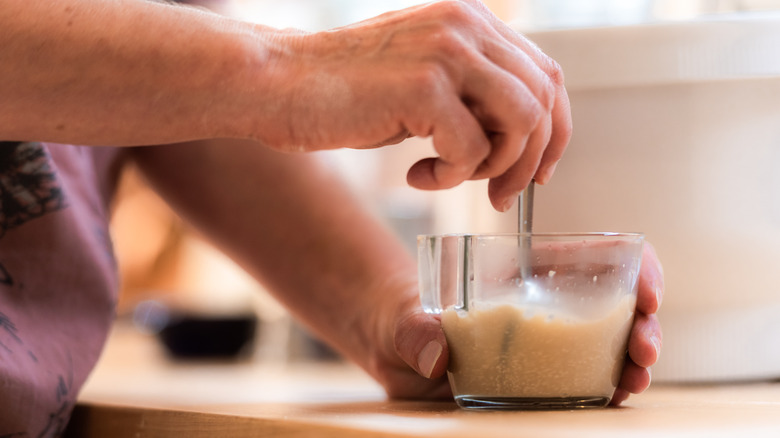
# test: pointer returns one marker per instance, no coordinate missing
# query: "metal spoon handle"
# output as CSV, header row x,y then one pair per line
x,y
525,225
525,209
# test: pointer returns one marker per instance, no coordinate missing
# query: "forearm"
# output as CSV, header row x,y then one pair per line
x,y
124,72
292,224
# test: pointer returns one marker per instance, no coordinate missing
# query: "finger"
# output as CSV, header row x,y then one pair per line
x,y
651,281
645,340
503,189
420,342
504,151
619,397
559,137
460,142
511,113
546,81
635,379
538,84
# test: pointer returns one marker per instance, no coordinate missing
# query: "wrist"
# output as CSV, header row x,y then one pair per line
x,y
258,93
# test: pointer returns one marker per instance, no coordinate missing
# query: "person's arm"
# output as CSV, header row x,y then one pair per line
x,y
135,72
291,223
122,72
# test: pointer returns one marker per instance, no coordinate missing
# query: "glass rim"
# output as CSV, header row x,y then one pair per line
x,y
586,234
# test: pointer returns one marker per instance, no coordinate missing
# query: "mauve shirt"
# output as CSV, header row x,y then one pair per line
x,y
58,279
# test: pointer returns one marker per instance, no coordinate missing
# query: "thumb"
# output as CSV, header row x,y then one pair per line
x,y
420,342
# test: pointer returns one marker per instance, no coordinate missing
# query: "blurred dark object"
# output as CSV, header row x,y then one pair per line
x,y
190,336
197,335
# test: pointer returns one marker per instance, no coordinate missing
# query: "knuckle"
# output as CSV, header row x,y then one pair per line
x,y
531,112
476,159
463,170
457,166
564,130
447,42
466,159
429,79
553,70
551,82
455,11
490,167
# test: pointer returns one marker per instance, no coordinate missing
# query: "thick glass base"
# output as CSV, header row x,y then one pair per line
x,y
530,403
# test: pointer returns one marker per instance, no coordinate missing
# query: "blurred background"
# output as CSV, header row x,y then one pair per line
x,y
674,135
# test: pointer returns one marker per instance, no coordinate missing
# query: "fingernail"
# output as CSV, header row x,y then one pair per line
x,y
659,293
510,201
545,175
428,357
656,345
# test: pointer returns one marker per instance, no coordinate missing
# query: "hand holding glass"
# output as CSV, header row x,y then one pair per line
x,y
533,321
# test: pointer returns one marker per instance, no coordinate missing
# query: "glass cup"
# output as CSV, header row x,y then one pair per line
x,y
533,321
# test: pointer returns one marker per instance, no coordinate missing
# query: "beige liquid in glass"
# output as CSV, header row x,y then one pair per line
x,y
510,357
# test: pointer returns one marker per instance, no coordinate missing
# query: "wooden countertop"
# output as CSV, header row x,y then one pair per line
x,y
136,392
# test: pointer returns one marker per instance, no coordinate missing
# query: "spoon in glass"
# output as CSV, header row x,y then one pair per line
x,y
525,210
525,221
